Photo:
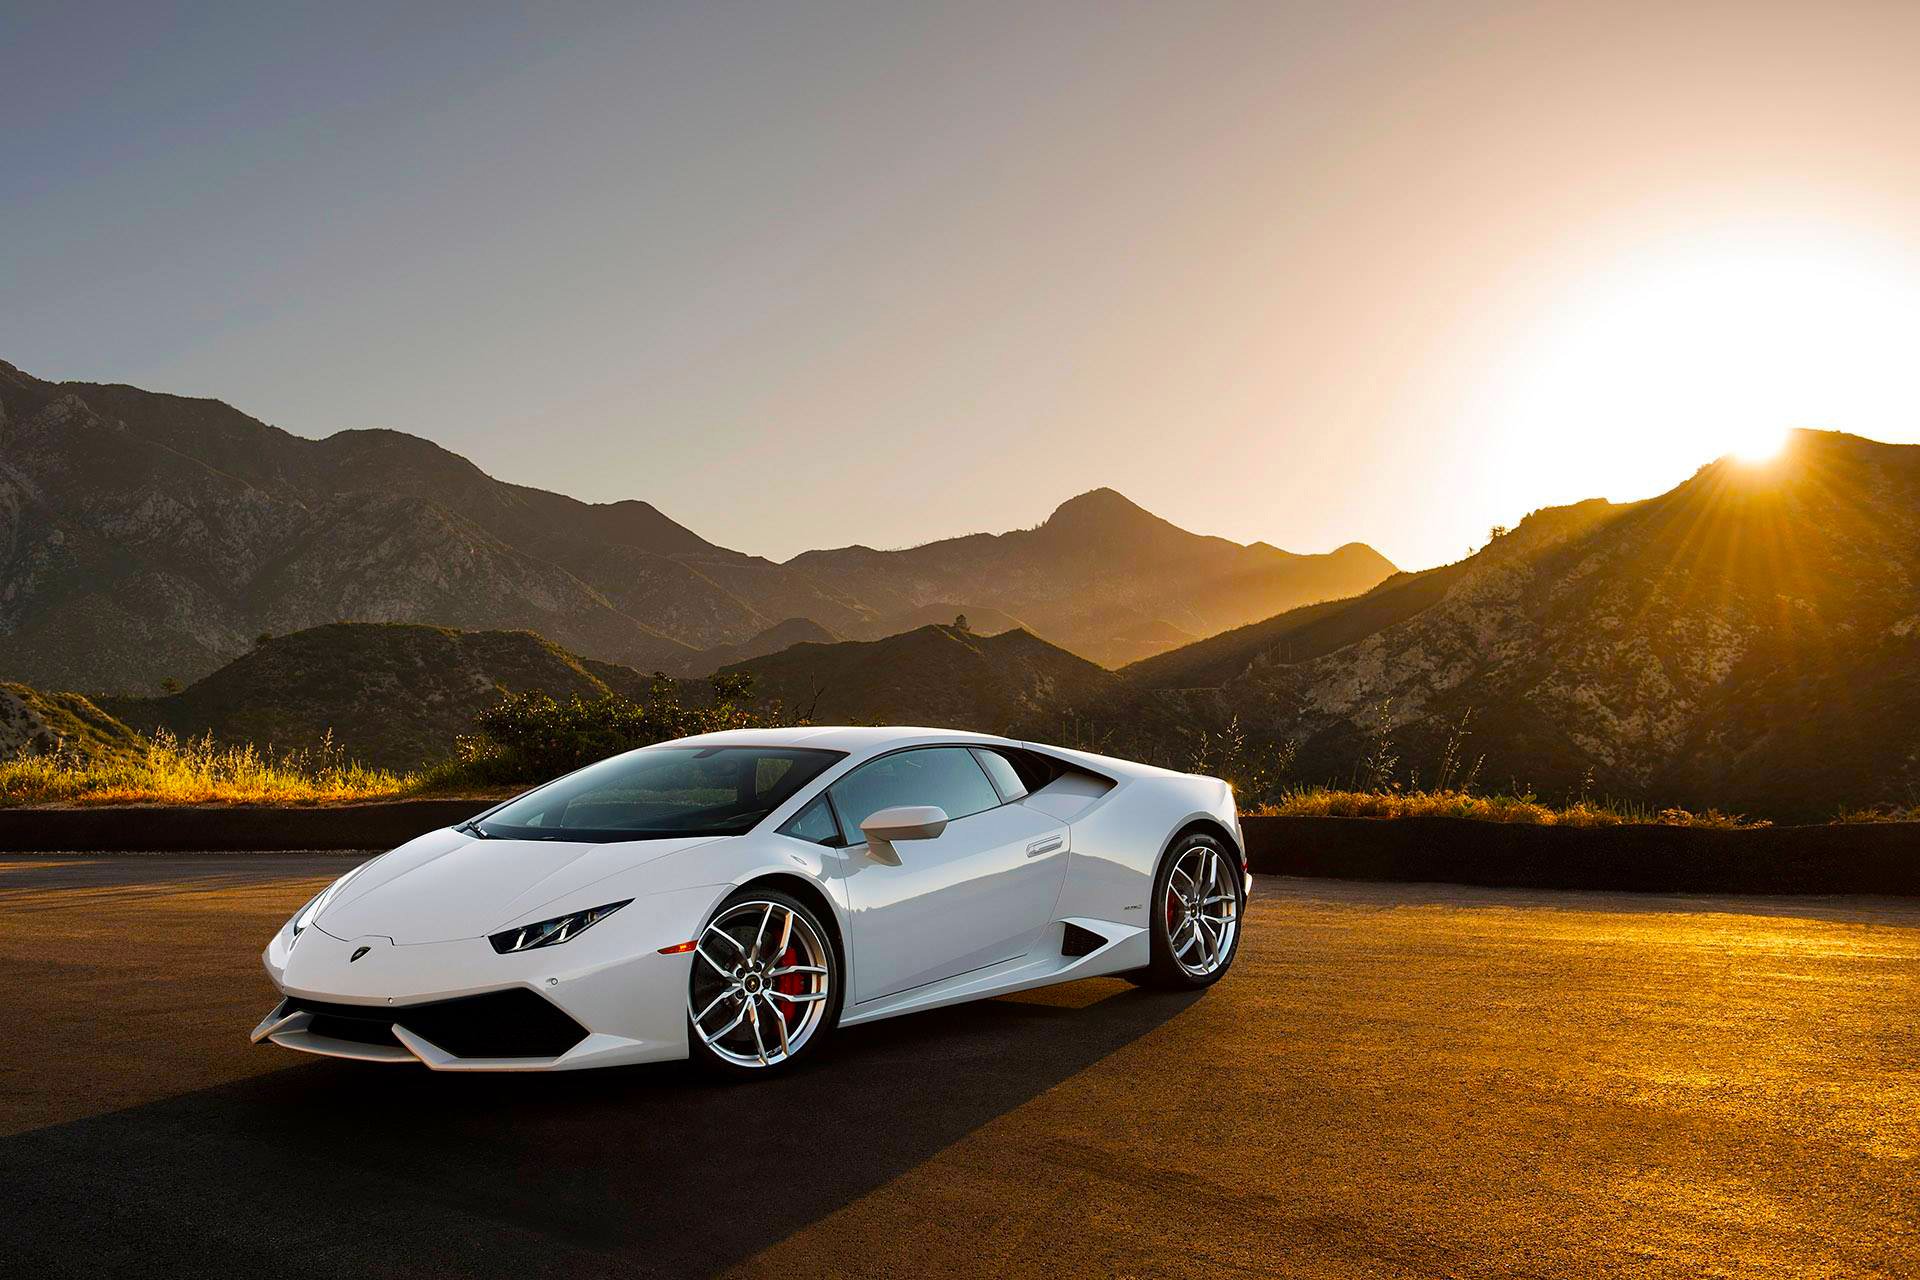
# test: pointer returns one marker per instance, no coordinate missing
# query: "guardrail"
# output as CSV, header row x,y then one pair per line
x,y
1875,858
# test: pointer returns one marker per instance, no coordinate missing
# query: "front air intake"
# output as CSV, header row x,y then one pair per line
x,y
516,1023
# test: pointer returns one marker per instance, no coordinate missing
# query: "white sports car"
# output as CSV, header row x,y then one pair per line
x,y
736,896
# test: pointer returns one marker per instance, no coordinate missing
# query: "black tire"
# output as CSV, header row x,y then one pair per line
x,y
730,1055
1166,970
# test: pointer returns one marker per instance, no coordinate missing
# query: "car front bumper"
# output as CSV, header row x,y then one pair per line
x,y
604,998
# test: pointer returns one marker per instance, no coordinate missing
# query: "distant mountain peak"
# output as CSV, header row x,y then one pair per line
x,y
1100,505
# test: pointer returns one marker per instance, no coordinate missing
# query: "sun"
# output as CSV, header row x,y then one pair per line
x,y
1637,371
1762,444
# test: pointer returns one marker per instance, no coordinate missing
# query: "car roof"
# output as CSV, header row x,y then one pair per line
x,y
854,739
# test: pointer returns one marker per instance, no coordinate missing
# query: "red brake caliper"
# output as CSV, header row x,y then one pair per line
x,y
790,984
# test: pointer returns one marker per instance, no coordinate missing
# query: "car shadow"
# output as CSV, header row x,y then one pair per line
x,y
331,1167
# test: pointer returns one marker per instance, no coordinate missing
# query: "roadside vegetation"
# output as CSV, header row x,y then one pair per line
x,y
1328,802
1381,787
527,738
1883,813
169,771
520,740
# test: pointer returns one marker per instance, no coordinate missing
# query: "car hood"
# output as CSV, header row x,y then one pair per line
x,y
449,885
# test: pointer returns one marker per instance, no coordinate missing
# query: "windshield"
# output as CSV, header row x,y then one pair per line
x,y
660,792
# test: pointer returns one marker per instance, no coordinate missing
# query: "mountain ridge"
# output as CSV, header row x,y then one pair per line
x,y
145,535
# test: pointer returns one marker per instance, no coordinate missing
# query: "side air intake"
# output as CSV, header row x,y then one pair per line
x,y
1080,942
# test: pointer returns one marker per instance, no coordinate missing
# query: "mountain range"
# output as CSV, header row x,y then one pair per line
x,y
147,537
1749,640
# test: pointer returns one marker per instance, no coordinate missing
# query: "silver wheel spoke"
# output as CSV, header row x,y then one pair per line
x,y
786,936
718,1000
804,997
717,966
738,1018
753,1020
797,968
780,1021
760,933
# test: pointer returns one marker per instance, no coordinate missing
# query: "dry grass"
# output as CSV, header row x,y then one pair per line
x,y
1323,802
197,772
1881,813
200,771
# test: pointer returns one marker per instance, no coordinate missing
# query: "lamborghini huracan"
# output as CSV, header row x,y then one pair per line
x,y
737,896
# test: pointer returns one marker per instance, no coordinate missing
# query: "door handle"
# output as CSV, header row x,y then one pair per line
x,y
1047,845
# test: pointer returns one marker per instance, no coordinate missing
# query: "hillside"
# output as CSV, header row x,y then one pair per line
x,y
146,536
935,675
1749,640
39,722
1101,576
393,695
780,636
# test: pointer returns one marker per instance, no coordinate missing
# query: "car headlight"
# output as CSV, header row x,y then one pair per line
x,y
551,933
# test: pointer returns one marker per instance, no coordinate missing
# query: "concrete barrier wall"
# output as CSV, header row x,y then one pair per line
x,y
158,828
1880,858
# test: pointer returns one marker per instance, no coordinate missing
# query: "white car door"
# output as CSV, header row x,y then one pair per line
x,y
981,892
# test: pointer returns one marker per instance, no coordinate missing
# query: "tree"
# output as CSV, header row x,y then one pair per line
x,y
262,638
169,685
731,686
960,622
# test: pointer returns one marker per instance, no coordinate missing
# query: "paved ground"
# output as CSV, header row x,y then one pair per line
x,y
1409,1081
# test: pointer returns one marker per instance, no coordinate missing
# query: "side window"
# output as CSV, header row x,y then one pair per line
x,y
1006,779
815,824
944,776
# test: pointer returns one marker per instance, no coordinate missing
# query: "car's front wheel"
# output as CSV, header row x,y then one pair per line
x,y
765,988
1198,898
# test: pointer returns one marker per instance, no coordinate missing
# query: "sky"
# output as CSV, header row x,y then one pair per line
x,y
806,275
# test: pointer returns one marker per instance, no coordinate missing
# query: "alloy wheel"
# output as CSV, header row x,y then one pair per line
x,y
1202,909
760,984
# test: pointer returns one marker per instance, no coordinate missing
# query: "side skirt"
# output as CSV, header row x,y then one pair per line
x,y
1126,948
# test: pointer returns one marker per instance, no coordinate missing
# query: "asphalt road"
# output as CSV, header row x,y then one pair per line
x,y
1396,1080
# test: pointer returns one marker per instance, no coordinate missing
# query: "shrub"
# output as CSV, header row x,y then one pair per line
x,y
528,737
1256,770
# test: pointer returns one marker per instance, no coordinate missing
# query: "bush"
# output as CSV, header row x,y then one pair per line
x,y
528,737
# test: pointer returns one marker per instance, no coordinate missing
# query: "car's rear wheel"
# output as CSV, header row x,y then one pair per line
x,y
1199,896
765,988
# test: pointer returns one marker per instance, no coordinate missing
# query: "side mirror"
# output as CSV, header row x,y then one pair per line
x,y
902,822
